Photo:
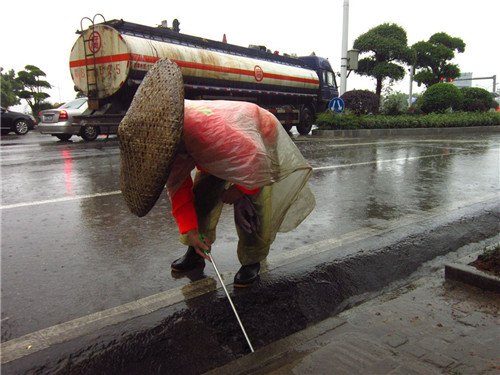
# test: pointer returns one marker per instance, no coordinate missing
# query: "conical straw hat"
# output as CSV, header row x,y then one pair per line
x,y
149,136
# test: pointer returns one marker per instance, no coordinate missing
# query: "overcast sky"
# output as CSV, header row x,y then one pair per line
x,y
42,33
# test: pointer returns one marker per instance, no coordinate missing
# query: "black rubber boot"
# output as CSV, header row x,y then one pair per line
x,y
246,275
188,261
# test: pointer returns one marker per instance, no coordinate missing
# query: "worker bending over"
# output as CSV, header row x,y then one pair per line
x,y
243,157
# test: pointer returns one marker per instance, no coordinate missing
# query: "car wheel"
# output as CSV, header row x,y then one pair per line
x,y
306,121
89,133
64,137
21,127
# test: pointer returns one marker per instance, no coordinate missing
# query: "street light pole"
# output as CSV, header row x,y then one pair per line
x,y
410,99
344,59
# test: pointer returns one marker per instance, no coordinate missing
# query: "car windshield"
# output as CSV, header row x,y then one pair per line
x,y
74,104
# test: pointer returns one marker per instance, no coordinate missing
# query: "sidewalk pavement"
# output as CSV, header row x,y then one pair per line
x,y
430,326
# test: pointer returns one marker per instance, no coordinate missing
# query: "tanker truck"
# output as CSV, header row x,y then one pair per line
x,y
109,60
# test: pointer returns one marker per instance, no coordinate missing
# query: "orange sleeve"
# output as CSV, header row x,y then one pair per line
x,y
183,207
246,191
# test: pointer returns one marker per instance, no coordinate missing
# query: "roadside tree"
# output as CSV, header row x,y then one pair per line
x,y
432,59
33,85
10,88
387,45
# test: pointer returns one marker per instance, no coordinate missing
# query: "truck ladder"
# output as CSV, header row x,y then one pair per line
x,y
90,62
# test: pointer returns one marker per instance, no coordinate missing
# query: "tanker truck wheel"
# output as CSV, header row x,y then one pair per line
x,y
89,133
306,121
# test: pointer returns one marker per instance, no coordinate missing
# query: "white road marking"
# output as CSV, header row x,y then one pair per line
x,y
96,195
381,161
59,200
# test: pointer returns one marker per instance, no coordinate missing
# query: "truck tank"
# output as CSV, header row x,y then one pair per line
x,y
109,60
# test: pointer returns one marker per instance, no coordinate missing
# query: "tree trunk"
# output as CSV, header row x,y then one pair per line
x,y
378,91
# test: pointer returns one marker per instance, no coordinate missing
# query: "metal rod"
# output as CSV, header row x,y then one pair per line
x,y
231,302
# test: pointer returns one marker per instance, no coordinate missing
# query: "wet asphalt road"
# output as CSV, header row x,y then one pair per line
x,y
70,247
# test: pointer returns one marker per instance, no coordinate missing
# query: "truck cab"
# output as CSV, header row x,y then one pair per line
x,y
328,88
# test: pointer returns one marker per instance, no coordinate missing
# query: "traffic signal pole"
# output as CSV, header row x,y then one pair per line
x,y
494,78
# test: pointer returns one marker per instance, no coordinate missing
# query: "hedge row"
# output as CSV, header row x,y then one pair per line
x,y
329,121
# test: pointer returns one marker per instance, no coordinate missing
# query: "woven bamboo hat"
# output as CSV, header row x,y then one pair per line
x,y
149,136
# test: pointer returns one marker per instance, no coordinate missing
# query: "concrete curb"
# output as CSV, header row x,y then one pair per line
x,y
472,276
461,271
199,334
362,133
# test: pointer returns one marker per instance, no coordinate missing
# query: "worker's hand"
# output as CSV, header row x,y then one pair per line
x,y
245,215
231,195
198,244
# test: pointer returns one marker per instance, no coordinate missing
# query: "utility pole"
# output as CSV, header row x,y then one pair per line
x,y
344,60
412,70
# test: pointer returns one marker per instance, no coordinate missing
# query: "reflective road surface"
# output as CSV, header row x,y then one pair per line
x,y
70,247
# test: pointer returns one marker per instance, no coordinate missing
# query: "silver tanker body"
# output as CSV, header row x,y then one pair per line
x,y
109,60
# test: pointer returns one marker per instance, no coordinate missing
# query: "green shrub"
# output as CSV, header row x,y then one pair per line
x,y
361,102
395,104
338,122
476,99
440,97
327,121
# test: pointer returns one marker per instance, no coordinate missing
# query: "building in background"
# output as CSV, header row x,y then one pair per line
x,y
465,80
